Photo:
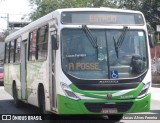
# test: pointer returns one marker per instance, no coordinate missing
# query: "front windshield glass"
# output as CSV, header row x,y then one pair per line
x,y
81,60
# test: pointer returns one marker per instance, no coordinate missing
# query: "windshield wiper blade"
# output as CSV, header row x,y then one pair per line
x,y
122,36
92,40
115,47
120,40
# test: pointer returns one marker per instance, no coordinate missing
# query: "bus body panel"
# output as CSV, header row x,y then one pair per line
x,y
13,74
69,106
36,73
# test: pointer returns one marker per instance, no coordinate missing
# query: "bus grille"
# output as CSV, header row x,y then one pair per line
x,y
97,107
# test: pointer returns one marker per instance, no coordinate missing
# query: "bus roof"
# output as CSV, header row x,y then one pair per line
x,y
98,9
46,18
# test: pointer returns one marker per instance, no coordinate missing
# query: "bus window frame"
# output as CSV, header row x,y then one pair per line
x,y
5,53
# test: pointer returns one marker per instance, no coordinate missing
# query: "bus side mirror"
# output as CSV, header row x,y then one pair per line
x,y
151,40
54,42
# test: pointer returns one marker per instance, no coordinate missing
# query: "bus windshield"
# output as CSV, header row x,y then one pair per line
x,y
81,60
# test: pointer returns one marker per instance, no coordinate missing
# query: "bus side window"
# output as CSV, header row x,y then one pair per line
x,y
32,45
7,52
17,50
12,52
42,43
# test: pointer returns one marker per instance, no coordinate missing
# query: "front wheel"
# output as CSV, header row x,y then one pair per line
x,y
41,100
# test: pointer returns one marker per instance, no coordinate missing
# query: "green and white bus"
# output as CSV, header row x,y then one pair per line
x,y
81,61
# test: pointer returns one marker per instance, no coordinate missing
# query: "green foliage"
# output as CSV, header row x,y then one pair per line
x,y
147,7
151,12
150,9
129,4
44,7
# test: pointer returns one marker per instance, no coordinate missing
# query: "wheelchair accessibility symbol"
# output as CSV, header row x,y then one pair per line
x,y
114,74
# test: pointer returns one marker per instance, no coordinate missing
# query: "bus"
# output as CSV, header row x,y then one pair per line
x,y
90,61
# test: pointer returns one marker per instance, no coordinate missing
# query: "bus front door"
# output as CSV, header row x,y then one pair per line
x,y
53,81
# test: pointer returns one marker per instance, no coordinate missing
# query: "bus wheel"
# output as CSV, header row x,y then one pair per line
x,y
41,99
15,96
116,117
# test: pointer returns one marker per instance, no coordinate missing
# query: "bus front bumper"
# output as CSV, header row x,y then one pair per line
x,y
69,106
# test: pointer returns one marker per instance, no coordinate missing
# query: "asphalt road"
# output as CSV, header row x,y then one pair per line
x,y
7,107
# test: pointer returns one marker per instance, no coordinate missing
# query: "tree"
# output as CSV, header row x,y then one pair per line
x,y
43,7
128,4
151,12
150,9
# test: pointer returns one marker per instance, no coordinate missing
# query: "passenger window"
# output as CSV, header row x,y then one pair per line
x,y
11,51
42,43
17,50
7,56
32,45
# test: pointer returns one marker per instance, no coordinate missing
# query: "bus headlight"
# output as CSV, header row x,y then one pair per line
x,y
68,92
144,90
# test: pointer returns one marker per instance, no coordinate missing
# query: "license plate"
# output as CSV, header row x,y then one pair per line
x,y
109,110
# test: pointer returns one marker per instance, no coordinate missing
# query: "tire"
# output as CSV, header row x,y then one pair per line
x,y
41,100
116,117
17,102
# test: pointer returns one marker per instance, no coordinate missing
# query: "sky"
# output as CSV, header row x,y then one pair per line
x,y
16,9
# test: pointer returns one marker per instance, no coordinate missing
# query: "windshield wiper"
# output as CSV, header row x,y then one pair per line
x,y
120,40
92,40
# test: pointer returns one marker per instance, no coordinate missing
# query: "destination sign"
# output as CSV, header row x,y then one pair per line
x,y
101,18
84,66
